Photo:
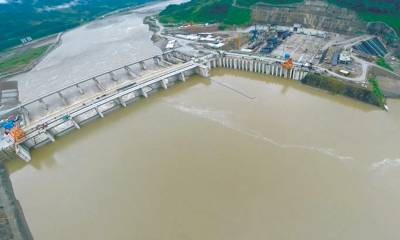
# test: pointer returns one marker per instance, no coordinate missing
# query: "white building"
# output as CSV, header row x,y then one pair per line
x,y
345,57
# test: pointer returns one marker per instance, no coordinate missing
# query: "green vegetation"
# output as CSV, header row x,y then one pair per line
x,y
206,11
386,11
377,90
222,11
20,60
252,2
381,62
21,19
336,86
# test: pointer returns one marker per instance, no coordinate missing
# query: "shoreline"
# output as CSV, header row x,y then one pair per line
x,y
59,35
13,224
36,61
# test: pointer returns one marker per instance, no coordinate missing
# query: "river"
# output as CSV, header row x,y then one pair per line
x,y
235,156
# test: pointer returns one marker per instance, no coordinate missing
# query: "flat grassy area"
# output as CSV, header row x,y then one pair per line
x,y
18,61
381,62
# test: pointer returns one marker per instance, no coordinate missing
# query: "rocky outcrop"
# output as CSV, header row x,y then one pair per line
x,y
311,14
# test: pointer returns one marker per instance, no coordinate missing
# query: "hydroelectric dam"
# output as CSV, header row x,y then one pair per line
x,y
43,119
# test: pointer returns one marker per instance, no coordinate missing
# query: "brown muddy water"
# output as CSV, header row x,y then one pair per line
x,y
237,156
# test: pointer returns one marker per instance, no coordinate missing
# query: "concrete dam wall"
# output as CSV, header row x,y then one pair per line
x,y
311,14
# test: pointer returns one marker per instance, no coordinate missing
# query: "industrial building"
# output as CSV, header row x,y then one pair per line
x,y
372,47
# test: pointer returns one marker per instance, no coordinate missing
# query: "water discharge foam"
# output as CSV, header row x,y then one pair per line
x,y
222,117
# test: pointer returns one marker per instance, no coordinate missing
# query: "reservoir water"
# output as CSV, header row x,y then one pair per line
x,y
236,156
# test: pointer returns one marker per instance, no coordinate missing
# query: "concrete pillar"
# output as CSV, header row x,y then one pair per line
x,y
220,62
291,73
76,125
164,84
26,115
98,84
157,60
280,71
63,98
80,89
130,72
295,74
122,102
144,93
182,77
285,73
46,106
203,71
142,65
112,76
99,112
50,136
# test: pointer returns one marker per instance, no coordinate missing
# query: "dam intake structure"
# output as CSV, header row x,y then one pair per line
x,y
45,118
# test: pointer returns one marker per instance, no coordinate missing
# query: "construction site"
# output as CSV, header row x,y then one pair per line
x,y
345,55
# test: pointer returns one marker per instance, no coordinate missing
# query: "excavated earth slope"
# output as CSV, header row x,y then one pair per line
x,y
311,14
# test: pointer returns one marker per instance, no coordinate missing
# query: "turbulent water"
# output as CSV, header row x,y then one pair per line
x,y
236,156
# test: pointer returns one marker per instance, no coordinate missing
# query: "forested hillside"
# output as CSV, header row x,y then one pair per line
x,y
223,11
23,18
206,11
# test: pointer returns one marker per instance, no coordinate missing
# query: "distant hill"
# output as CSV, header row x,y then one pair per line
x,y
32,18
206,11
226,12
